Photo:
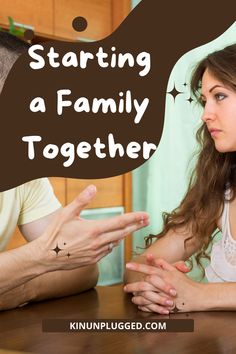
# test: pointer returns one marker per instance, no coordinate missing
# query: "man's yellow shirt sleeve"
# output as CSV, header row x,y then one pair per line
x,y
37,200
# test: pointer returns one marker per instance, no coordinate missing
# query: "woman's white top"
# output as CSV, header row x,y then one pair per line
x,y
223,255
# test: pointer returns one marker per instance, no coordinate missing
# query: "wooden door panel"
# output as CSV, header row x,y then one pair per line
x,y
109,191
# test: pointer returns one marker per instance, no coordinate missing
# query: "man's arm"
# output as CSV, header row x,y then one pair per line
x,y
59,283
68,243
48,285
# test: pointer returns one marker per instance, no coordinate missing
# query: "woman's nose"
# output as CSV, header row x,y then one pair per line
x,y
208,113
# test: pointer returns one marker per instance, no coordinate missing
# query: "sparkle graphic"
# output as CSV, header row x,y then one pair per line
x,y
190,99
174,92
175,309
57,249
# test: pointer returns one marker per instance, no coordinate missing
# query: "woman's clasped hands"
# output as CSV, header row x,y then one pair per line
x,y
165,287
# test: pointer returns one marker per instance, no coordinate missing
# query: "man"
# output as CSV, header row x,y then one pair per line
x,y
61,255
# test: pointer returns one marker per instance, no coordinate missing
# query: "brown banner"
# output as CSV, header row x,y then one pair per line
x,y
72,325
96,110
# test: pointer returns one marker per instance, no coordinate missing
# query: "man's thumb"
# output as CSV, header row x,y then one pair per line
x,y
82,200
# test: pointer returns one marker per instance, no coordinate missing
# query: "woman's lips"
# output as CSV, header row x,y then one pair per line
x,y
214,132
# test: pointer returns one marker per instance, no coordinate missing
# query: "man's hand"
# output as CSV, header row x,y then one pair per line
x,y
37,269
71,242
149,297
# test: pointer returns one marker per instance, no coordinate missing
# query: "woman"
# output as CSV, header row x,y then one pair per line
x,y
209,204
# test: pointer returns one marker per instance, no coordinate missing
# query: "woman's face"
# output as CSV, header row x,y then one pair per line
x,y
219,112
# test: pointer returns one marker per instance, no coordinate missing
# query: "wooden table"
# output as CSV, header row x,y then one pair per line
x,y
21,329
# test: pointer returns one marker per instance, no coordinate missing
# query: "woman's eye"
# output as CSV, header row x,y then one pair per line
x,y
220,96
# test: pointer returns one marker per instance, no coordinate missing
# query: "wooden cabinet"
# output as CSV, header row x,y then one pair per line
x,y
54,17
96,12
38,14
103,16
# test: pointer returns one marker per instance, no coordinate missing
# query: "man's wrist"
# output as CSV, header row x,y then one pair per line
x,y
38,256
28,293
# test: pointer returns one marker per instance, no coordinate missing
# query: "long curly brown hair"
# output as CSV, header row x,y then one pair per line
x,y
214,173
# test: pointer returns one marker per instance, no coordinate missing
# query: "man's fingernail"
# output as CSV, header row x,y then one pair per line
x,y
173,292
91,189
129,265
144,221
